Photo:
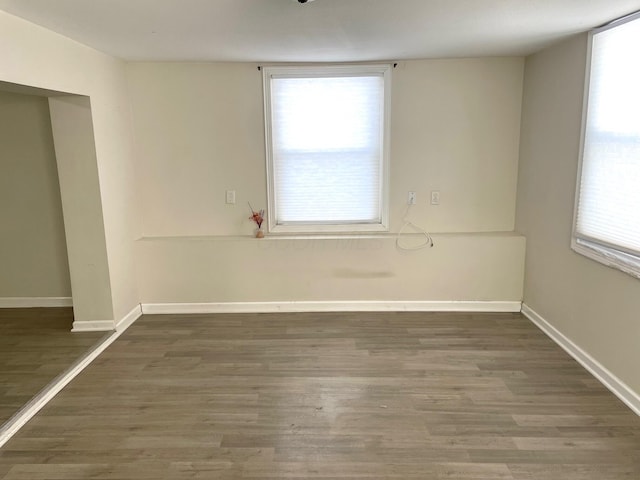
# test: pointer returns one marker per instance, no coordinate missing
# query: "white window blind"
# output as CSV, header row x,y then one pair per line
x,y
326,133
608,207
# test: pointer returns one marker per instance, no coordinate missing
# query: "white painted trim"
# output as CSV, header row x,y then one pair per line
x,y
108,325
604,376
93,326
129,318
270,73
609,256
35,302
339,306
17,421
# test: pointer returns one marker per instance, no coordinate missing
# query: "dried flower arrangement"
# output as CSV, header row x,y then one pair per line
x,y
258,217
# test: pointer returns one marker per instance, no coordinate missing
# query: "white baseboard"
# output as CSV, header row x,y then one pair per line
x,y
356,306
35,302
108,325
17,421
129,318
93,326
604,376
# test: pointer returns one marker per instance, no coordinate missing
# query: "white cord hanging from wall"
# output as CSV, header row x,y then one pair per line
x,y
426,243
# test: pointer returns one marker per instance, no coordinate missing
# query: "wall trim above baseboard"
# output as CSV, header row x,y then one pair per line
x,y
621,390
339,306
26,413
35,302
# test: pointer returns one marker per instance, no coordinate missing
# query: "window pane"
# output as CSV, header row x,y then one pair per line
x,y
327,134
341,113
320,187
609,199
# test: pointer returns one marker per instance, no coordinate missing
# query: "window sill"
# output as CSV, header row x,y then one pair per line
x,y
607,256
325,236
331,230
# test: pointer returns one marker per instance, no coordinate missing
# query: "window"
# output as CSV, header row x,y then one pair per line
x,y
327,148
607,218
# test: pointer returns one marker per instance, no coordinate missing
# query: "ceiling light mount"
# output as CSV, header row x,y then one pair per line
x,y
305,1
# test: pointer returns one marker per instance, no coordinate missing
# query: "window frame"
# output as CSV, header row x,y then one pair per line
x,y
317,71
611,255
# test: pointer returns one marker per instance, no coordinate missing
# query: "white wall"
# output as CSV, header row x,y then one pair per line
x,y
467,268
33,56
594,306
33,253
200,131
455,128
73,135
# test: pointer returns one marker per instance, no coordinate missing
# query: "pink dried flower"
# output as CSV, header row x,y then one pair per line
x,y
257,217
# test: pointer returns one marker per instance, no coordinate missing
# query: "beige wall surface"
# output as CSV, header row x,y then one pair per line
x,y
33,253
199,128
200,131
76,156
33,56
455,127
593,305
472,268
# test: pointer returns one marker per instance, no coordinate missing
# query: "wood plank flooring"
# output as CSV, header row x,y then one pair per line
x,y
330,396
36,345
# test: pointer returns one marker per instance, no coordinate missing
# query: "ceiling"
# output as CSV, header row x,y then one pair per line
x,y
319,31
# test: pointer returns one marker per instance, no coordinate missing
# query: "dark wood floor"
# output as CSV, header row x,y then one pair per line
x,y
36,345
359,396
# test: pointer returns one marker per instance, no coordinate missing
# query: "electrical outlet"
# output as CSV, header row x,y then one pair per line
x,y
435,197
231,196
411,198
